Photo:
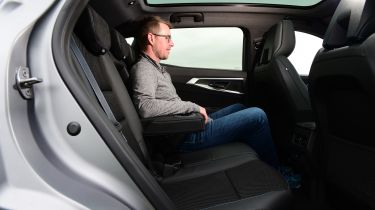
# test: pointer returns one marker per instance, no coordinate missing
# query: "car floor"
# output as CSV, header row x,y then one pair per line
x,y
303,201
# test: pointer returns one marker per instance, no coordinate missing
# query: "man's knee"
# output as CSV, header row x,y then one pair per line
x,y
259,114
239,106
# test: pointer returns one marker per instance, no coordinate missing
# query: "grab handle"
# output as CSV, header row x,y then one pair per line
x,y
176,17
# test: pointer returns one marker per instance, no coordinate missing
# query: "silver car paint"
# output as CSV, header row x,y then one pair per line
x,y
41,165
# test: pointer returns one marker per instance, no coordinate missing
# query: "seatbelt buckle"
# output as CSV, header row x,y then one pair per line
x,y
170,169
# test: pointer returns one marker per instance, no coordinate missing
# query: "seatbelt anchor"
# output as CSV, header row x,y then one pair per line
x,y
170,169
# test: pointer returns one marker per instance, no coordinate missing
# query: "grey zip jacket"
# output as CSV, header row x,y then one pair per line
x,y
153,91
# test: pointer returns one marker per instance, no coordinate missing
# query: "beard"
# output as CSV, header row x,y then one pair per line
x,y
164,56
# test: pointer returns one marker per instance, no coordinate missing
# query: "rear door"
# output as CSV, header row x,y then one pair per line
x,y
206,65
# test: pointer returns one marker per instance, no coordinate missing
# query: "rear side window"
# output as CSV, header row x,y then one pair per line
x,y
210,48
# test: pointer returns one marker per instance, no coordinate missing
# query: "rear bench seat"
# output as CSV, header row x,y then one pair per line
x,y
224,177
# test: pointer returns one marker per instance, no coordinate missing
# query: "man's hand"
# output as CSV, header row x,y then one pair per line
x,y
203,112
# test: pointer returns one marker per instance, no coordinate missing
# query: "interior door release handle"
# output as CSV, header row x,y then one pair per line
x,y
219,84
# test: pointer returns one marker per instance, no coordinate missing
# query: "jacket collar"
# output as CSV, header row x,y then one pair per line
x,y
153,62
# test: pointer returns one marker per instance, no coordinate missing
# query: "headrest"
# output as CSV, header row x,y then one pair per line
x,y
93,31
352,22
120,48
279,40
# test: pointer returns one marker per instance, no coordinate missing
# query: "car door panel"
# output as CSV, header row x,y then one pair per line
x,y
210,88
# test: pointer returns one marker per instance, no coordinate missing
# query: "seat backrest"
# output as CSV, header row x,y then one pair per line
x,y
342,90
94,43
277,86
123,56
279,41
119,55
121,50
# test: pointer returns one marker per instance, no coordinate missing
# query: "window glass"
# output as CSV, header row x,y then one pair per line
x,y
265,2
307,46
213,48
130,40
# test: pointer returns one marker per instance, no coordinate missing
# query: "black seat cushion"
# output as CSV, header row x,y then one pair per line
x,y
226,176
231,187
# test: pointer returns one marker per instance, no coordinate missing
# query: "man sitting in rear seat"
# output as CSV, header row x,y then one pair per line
x,y
154,95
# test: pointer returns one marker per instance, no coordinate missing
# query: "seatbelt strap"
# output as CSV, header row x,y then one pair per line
x,y
94,85
103,102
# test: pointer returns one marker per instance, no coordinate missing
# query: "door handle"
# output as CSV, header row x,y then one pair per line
x,y
219,84
215,84
176,17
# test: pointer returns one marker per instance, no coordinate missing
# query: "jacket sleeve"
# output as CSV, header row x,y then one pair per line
x,y
144,83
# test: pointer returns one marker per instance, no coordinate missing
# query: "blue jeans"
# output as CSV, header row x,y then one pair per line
x,y
236,123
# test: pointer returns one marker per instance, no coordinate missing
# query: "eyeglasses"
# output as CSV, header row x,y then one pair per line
x,y
167,37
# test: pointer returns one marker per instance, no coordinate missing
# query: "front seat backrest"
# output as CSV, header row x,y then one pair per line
x,y
278,87
342,90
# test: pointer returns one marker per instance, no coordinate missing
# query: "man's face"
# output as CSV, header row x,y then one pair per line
x,y
163,42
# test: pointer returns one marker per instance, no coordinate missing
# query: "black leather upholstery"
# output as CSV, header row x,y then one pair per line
x,y
270,200
342,89
352,23
278,88
97,40
122,55
216,159
203,173
280,41
121,49
172,124
238,185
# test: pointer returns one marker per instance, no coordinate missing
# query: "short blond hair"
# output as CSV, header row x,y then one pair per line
x,y
150,24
